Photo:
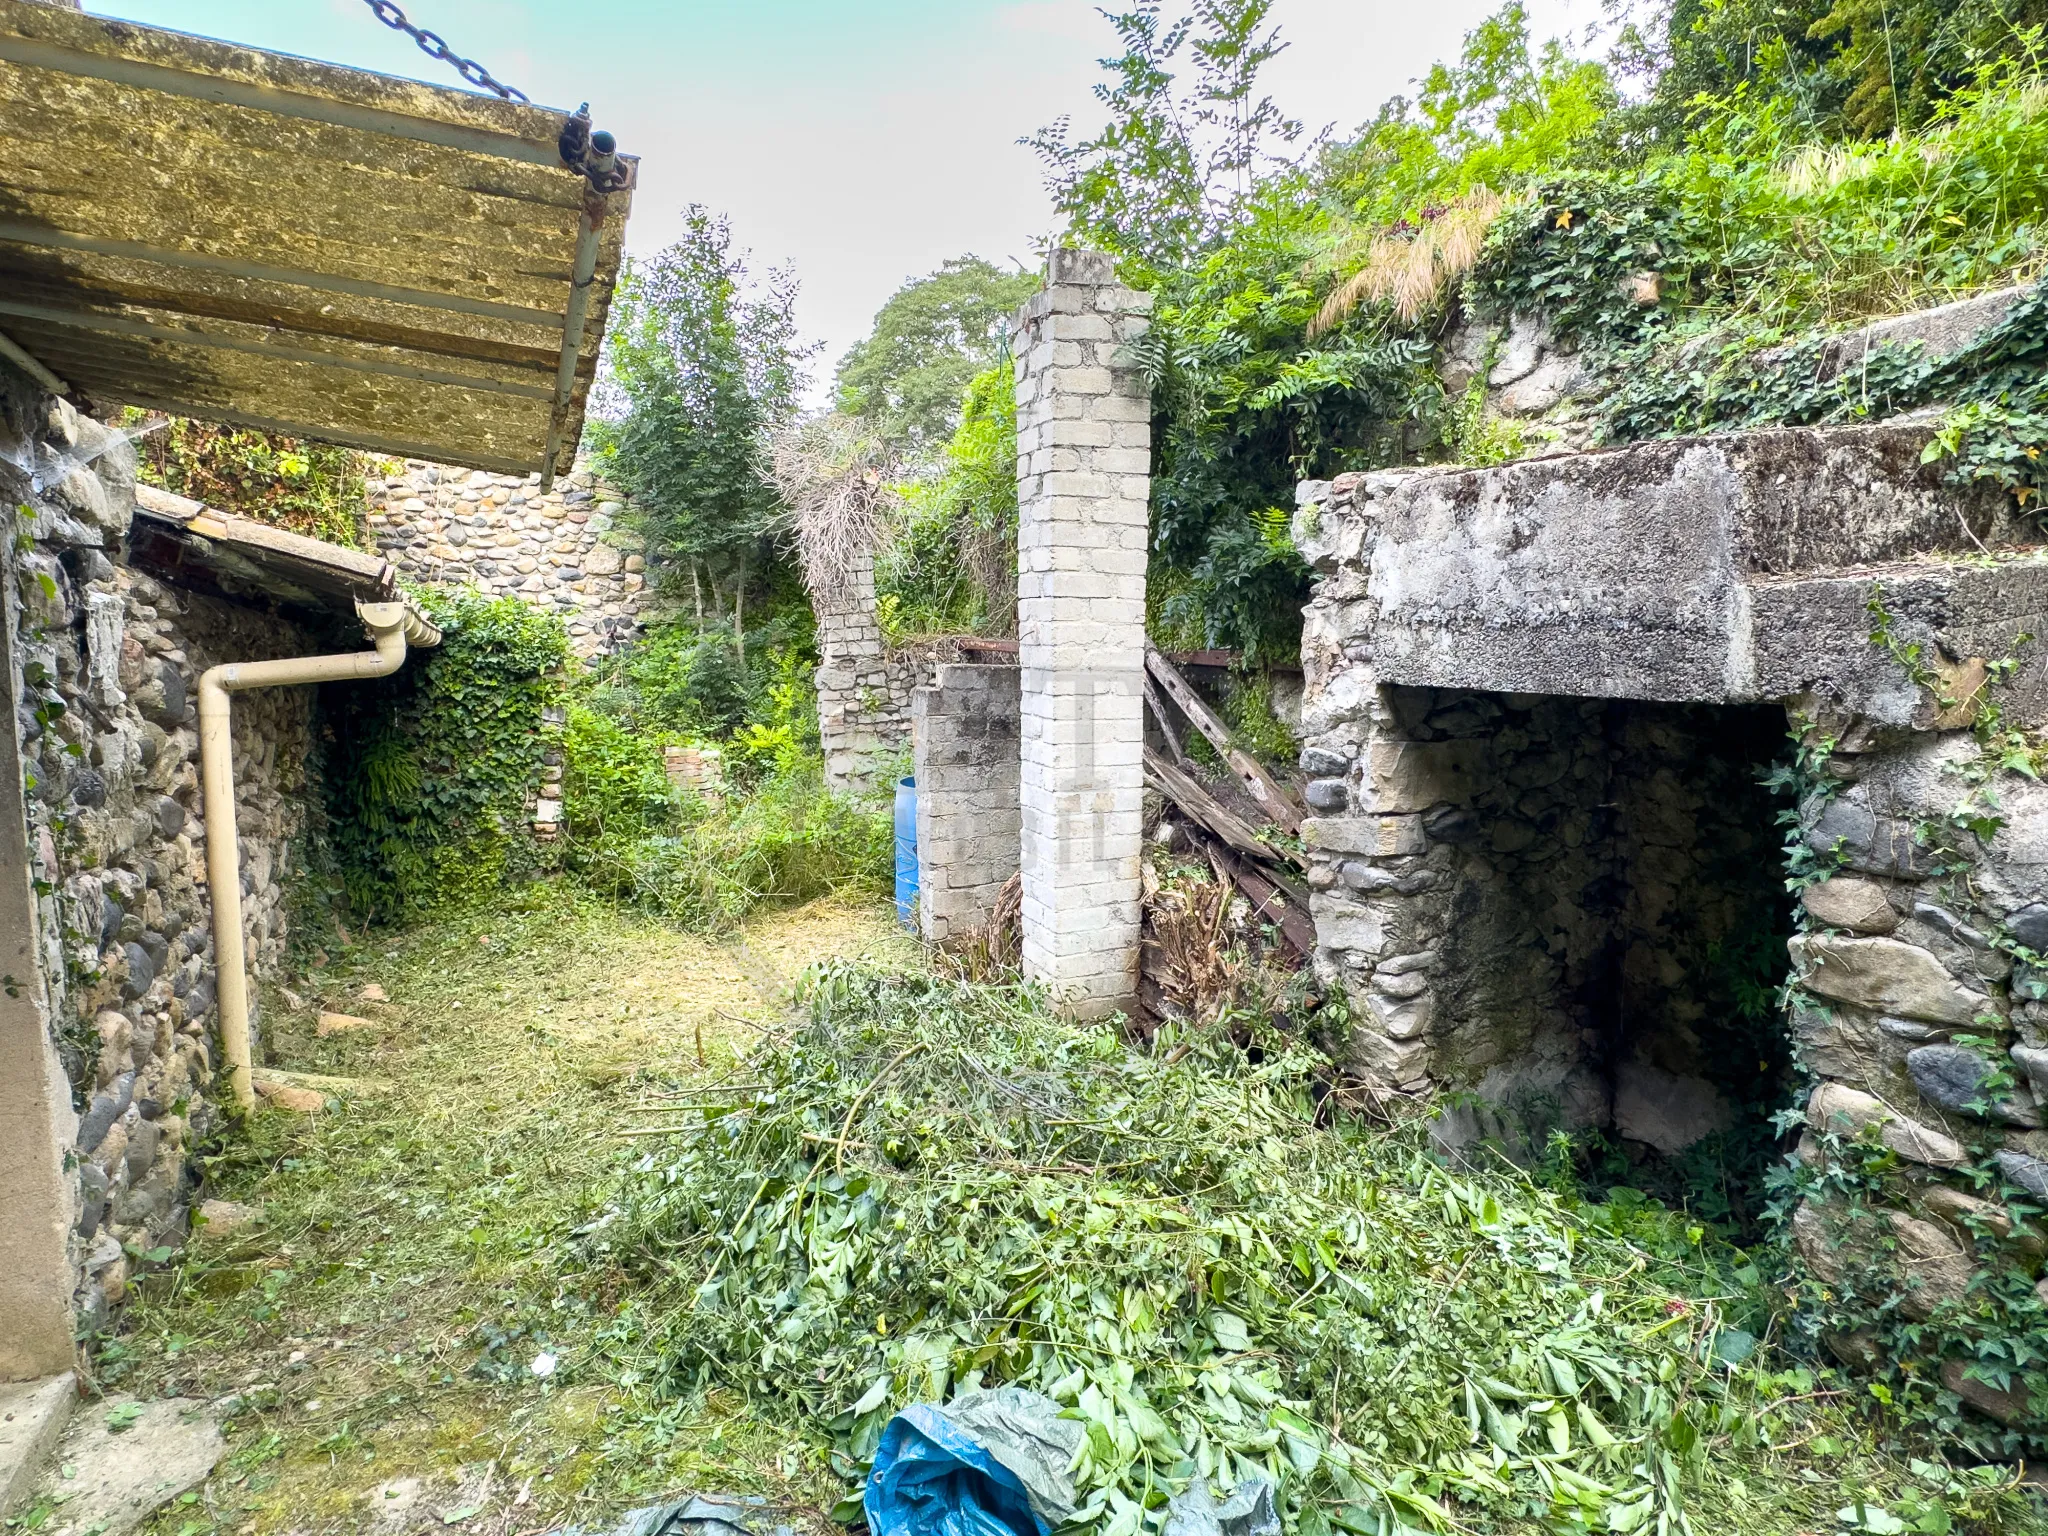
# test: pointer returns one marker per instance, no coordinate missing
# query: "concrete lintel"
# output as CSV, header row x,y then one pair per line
x,y
1718,570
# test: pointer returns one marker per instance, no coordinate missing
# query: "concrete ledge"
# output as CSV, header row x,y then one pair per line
x,y
1728,569
32,1418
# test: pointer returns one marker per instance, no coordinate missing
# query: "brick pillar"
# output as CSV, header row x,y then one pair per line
x,y
964,731
1084,449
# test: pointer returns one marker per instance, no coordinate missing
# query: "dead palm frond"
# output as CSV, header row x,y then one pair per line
x,y
1410,265
836,479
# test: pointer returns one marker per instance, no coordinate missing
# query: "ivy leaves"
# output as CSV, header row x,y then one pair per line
x,y
429,769
1996,431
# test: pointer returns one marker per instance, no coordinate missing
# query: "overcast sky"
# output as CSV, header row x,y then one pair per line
x,y
861,141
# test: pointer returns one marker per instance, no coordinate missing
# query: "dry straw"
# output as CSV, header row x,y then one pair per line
x,y
1408,266
837,480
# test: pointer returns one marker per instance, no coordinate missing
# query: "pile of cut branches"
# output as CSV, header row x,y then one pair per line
x,y
934,1185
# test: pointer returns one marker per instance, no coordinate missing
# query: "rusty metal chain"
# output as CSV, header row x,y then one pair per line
x,y
434,46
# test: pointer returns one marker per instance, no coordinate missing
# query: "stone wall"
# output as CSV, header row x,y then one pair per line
x,y
106,666
965,750
1922,1014
568,550
1538,701
864,689
1084,421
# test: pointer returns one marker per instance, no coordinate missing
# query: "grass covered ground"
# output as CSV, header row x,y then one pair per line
x,y
515,1280
378,1319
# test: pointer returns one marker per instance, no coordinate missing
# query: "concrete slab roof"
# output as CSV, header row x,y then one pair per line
x,y
1725,569
254,238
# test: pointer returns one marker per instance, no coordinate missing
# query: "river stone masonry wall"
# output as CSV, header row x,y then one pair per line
x,y
1534,697
863,687
107,661
569,550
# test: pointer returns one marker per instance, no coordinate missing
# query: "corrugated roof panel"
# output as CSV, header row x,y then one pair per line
x,y
250,237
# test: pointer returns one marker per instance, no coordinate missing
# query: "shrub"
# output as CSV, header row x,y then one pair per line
x,y
311,488
701,865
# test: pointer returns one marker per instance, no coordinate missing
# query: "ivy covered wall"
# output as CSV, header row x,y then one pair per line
x,y
431,773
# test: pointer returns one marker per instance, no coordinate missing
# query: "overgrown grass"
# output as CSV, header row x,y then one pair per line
x,y
702,861
1802,233
937,1185
377,1318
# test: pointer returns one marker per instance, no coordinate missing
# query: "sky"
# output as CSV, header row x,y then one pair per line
x,y
860,141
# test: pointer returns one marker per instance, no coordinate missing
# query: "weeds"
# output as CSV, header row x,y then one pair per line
x,y
703,865
697,859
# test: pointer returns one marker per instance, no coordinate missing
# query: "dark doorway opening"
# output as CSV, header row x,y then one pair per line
x,y
1618,918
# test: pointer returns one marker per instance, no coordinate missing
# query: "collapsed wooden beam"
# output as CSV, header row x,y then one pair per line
x,y
1206,810
1271,795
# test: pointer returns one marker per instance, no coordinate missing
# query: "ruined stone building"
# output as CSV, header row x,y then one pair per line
x,y
1592,742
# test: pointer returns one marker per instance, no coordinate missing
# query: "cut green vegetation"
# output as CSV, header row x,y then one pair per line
x,y
383,1301
935,1185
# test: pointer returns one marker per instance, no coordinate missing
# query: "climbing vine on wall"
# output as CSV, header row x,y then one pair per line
x,y
1855,1185
430,769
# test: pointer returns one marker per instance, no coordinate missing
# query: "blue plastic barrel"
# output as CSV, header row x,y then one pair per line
x,y
906,852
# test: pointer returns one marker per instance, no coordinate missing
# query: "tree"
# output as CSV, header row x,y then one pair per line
x,y
1852,68
930,338
700,362
1171,170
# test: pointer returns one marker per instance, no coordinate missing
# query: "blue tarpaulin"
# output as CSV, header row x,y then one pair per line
x,y
987,1464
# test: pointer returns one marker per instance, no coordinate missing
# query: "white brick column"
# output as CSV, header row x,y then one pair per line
x,y
1084,449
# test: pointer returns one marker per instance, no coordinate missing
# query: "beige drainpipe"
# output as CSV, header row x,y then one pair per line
x,y
390,625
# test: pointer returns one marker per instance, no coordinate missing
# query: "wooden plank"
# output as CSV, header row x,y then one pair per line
x,y
1156,702
1271,795
1272,902
1205,809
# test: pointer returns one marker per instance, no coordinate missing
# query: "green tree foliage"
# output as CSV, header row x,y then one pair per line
x,y
931,337
430,768
702,360
1244,408
1847,68
1501,113
1732,195
1217,1279
1180,154
953,566
310,488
